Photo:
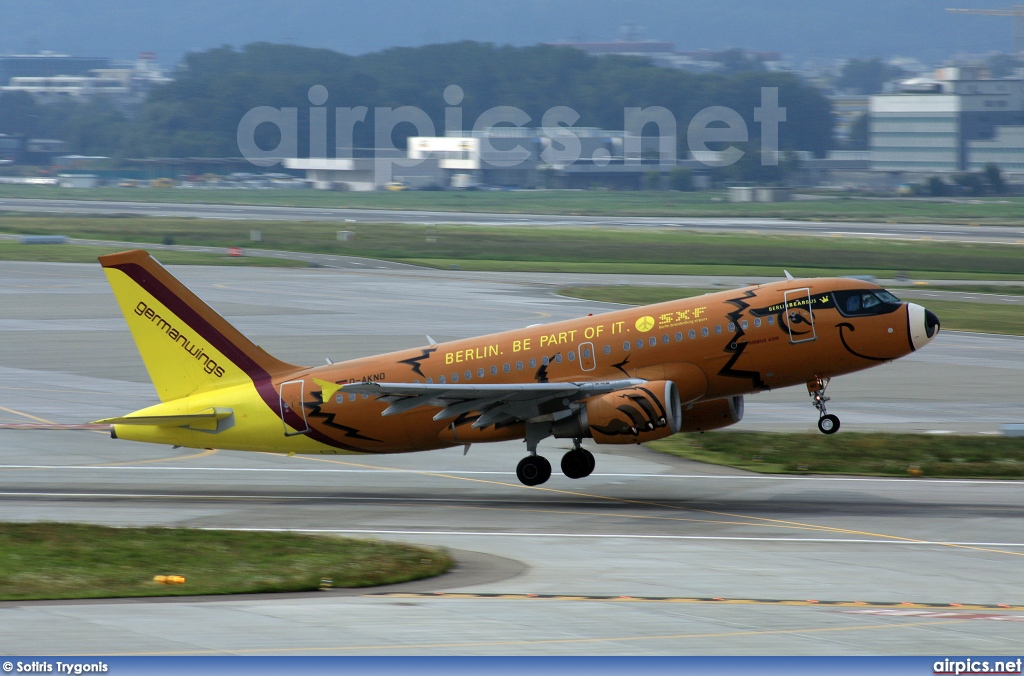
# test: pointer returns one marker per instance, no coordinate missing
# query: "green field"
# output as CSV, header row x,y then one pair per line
x,y
76,253
541,249
71,561
954,315
999,289
995,210
929,455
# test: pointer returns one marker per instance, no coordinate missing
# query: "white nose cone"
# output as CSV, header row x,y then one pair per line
x,y
922,324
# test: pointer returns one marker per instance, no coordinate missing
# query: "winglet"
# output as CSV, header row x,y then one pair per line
x,y
789,276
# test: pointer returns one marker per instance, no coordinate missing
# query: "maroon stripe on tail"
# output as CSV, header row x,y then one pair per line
x,y
259,375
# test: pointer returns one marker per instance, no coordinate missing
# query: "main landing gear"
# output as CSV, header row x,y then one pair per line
x,y
827,423
579,462
534,469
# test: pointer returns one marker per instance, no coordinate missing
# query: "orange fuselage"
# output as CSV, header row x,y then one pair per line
x,y
712,346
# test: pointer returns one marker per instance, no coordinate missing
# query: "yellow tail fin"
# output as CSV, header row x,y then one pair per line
x,y
186,346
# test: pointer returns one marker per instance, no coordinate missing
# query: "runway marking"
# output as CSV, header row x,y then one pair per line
x,y
118,465
895,606
613,536
27,415
667,506
611,475
544,641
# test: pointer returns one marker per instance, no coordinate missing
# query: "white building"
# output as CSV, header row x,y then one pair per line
x,y
954,122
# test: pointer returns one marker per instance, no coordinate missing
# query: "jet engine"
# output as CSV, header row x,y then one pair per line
x,y
632,415
712,415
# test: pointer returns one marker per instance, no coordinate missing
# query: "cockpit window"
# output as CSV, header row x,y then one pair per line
x,y
865,302
887,297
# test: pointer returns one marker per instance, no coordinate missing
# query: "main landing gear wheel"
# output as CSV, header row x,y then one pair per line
x,y
828,424
578,463
533,470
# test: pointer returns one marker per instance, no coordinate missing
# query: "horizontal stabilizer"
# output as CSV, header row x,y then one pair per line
x,y
211,420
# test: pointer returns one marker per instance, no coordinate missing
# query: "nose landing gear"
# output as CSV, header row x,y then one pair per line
x,y
579,462
827,423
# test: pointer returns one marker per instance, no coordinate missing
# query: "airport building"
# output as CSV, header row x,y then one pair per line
x,y
519,157
956,121
56,77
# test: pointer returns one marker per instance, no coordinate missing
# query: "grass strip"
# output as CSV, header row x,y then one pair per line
x,y
74,561
995,289
599,249
995,210
77,253
931,455
954,315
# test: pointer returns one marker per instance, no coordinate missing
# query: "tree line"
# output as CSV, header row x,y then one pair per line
x,y
197,114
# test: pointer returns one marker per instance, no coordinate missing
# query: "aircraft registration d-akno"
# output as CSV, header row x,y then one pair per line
x,y
628,376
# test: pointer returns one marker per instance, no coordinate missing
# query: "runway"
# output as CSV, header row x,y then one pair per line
x,y
982,234
651,555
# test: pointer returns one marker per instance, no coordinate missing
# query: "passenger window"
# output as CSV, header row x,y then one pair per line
x,y
455,377
732,327
558,358
586,353
718,329
545,361
693,334
625,346
479,373
469,375
653,341
572,356
440,380
533,363
771,319
494,370
704,332
430,381
366,396
506,368
743,324
757,322
519,366
340,398
352,396
679,336
607,349
640,343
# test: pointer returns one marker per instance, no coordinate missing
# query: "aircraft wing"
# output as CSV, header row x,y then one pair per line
x,y
515,402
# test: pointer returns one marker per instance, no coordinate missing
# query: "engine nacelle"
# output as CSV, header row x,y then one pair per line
x,y
633,415
712,415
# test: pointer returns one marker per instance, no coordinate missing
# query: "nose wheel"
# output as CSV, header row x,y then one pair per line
x,y
578,463
827,423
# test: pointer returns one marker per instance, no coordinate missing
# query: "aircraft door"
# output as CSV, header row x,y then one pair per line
x,y
799,316
588,360
293,413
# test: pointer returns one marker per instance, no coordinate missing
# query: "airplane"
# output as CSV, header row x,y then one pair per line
x,y
628,376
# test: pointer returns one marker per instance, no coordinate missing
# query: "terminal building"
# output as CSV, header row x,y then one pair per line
x,y
957,121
